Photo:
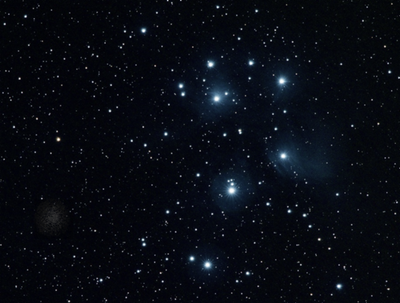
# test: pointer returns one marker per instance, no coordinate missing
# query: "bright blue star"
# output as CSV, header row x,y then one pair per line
x,y
207,265
232,188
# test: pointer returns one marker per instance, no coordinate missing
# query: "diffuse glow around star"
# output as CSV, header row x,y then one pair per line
x,y
218,97
232,190
207,265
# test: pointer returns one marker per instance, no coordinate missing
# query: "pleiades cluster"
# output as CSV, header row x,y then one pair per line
x,y
166,151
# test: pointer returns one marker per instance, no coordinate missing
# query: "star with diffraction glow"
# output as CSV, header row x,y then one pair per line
x,y
207,265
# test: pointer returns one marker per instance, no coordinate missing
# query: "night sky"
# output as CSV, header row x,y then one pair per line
x,y
200,151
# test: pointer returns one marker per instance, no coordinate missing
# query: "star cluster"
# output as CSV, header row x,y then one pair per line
x,y
200,152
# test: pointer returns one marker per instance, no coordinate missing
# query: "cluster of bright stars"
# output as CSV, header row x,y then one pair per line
x,y
231,190
210,64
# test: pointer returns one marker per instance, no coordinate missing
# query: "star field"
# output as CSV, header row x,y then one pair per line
x,y
200,152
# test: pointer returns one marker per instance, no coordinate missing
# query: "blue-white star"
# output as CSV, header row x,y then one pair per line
x,y
207,265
